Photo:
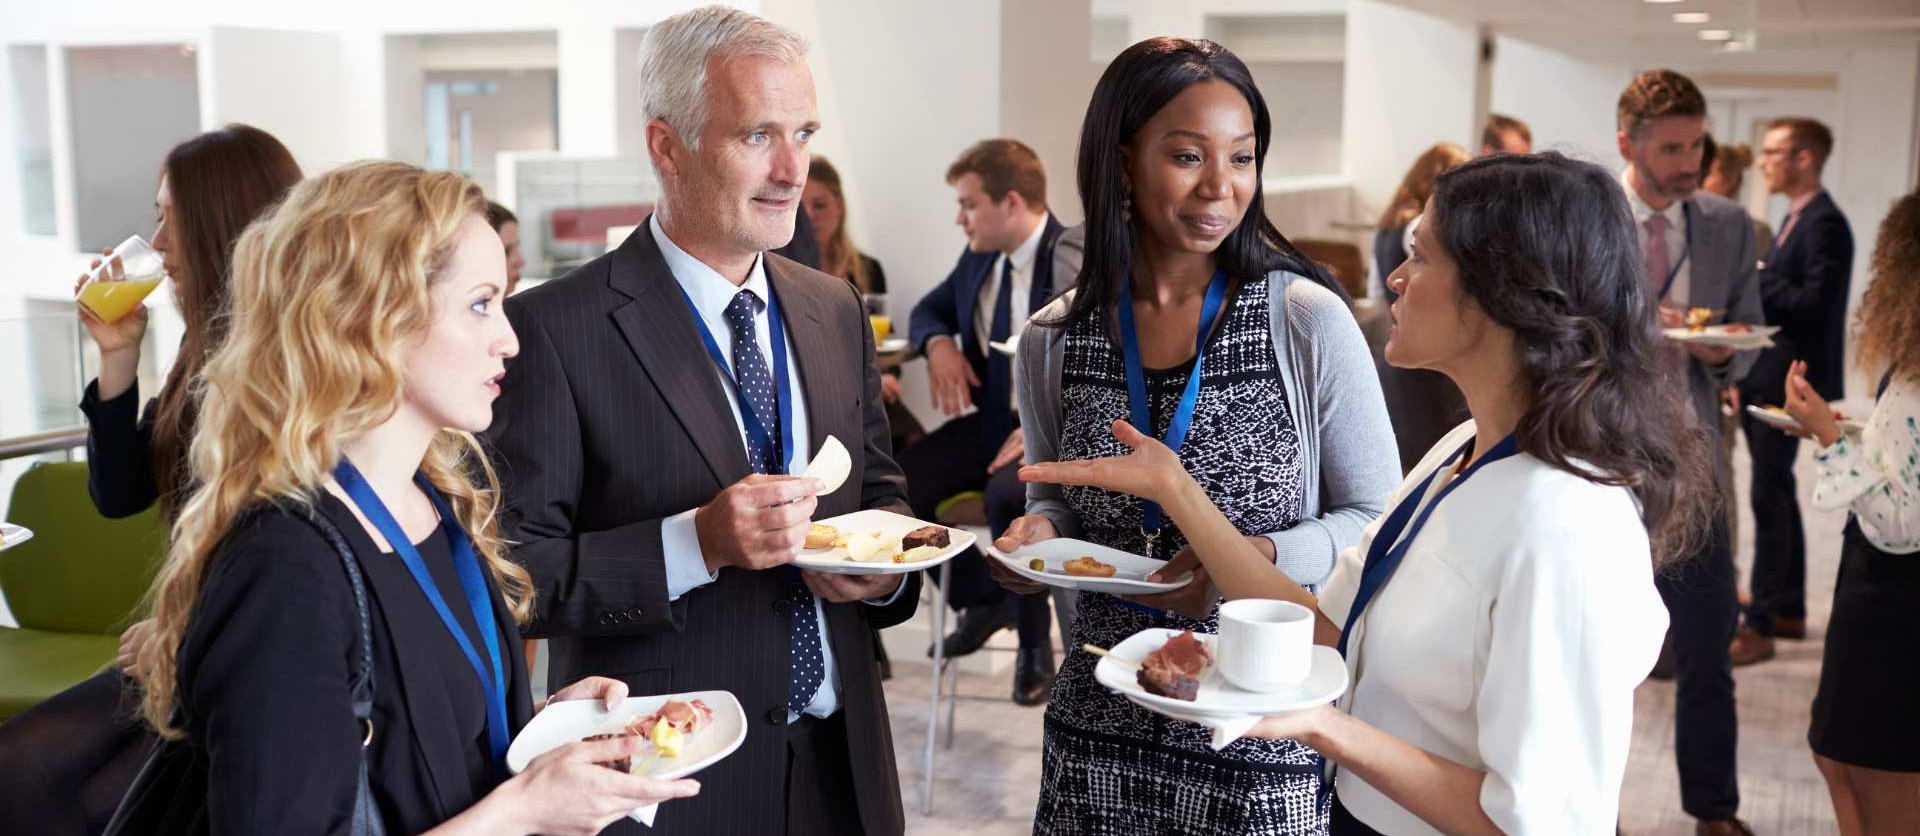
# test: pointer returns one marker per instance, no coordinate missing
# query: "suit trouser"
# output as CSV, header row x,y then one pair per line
x,y
945,463
1703,614
820,791
1779,582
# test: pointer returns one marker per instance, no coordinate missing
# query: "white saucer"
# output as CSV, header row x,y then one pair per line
x,y
1218,698
1784,421
891,345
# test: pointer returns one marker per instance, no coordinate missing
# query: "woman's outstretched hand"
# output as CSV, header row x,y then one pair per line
x,y
1151,471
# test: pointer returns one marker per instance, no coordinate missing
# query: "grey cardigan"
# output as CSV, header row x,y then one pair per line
x,y
1346,441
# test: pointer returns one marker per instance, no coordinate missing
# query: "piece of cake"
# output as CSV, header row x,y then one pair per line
x,y
1176,668
927,535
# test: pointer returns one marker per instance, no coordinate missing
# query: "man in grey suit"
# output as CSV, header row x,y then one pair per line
x,y
646,432
1699,254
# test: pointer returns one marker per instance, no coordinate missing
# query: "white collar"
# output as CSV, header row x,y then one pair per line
x,y
711,293
1022,256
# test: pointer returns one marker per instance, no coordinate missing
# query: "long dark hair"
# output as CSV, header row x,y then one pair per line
x,y
1546,247
220,181
1136,86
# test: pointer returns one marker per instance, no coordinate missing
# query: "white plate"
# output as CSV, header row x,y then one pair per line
x,y
562,723
1760,337
1129,568
891,345
889,524
12,535
1218,698
1784,421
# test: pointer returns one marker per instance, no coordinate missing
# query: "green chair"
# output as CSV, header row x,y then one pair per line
x,y
72,588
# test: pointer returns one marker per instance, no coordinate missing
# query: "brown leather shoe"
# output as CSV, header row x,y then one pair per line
x,y
1789,628
1749,647
1722,827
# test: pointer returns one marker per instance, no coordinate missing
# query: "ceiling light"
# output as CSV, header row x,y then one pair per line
x,y
1737,46
1716,34
1691,17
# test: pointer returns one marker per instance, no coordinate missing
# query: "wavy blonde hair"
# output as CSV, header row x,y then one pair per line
x,y
328,290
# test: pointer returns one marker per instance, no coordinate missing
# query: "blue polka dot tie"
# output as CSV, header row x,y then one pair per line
x,y
755,383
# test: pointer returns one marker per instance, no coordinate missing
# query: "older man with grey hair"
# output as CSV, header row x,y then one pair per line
x,y
650,433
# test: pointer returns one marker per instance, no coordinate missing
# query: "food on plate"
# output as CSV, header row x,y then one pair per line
x,y
870,547
1697,319
927,535
918,554
1085,566
667,730
1739,328
1176,668
1037,565
622,764
821,536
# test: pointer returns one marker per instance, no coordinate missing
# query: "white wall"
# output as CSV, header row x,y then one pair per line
x,y
128,105
1567,101
1410,84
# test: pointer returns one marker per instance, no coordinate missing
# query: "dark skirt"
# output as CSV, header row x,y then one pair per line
x,y
1867,711
71,758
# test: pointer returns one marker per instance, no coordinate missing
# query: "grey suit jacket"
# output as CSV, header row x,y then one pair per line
x,y
1724,277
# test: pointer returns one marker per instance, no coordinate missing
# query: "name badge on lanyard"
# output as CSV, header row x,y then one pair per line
x,y
1176,435
1389,544
493,678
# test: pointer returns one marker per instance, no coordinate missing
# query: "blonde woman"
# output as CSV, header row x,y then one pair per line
x,y
1422,404
367,343
826,205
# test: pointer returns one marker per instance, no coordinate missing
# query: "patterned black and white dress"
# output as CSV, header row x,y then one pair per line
x,y
1109,765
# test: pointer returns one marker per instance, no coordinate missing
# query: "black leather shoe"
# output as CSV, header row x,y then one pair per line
x,y
977,624
1033,676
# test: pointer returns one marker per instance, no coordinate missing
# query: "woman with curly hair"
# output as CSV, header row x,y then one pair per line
x,y
1866,721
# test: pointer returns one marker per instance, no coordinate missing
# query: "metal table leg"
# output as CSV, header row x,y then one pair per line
x,y
933,698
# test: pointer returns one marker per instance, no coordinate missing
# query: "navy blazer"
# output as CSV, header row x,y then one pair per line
x,y
948,309
1804,286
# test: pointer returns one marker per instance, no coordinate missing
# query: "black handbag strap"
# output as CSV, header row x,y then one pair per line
x,y
360,680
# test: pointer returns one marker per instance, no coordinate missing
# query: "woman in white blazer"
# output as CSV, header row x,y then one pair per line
x,y
1497,619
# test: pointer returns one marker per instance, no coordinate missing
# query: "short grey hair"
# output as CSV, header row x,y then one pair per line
x,y
675,52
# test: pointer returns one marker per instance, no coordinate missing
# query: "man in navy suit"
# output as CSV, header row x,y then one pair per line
x,y
1804,285
1014,263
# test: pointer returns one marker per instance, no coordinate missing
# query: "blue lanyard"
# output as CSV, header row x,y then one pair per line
x,y
467,565
1137,381
756,432
1686,251
1389,547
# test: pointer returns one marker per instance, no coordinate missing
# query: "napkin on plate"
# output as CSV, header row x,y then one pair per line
x,y
644,815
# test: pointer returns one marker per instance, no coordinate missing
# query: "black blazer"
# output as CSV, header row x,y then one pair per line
x,y
120,475
948,308
263,680
1804,285
612,419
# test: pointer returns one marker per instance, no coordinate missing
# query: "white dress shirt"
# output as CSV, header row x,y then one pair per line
x,y
1023,259
1681,294
686,563
1509,639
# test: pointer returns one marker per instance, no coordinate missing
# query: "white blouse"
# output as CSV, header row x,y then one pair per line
x,y
1509,639
1878,476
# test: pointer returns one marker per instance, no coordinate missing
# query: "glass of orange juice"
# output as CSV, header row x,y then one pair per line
x,y
122,280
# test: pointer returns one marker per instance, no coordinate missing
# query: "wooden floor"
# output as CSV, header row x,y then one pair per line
x,y
986,784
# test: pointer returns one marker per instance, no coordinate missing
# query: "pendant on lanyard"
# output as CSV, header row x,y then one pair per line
x,y
479,600
756,432
1686,251
1391,542
1150,514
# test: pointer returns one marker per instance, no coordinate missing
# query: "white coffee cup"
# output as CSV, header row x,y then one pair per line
x,y
1265,646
